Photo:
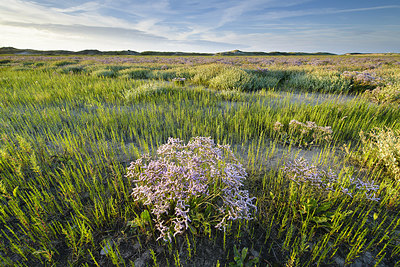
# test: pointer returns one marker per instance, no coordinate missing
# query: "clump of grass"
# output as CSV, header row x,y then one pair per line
x,y
104,73
73,69
147,91
225,77
136,73
233,78
204,73
318,80
61,63
169,74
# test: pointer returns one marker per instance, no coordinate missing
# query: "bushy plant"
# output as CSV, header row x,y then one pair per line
x,y
301,172
61,63
136,73
204,73
188,180
73,69
303,134
384,94
325,81
169,74
147,91
362,80
234,78
105,73
381,149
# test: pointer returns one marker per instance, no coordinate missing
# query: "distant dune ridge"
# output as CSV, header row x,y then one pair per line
x,y
16,51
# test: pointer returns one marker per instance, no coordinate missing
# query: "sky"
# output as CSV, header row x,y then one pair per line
x,y
339,26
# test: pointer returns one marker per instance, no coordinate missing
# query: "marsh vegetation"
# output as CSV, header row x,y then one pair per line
x,y
199,161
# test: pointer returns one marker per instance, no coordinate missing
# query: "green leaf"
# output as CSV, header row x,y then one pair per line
x,y
375,216
132,224
324,207
319,220
271,194
15,191
193,230
145,216
244,253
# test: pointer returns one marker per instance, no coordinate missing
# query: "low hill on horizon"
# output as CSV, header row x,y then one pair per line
x,y
17,51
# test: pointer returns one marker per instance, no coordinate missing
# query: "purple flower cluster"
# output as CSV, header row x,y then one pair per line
x,y
301,171
363,77
184,177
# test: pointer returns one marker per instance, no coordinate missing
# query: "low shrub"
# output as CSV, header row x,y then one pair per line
x,y
61,63
169,74
302,172
362,80
191,185
321,81
303,134
381,150
105,73
136,73
232,78
147,91
73,69
384,94
204,73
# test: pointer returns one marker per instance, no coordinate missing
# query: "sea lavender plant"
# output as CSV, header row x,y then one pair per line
x,y
185,178
301,171
362,81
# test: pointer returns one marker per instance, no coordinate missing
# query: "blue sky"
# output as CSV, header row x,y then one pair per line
x,y
203,25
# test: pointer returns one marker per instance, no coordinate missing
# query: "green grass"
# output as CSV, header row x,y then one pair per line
x,y
67,138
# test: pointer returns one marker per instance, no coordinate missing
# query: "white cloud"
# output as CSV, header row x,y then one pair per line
x,y
28,12
274,15
86,7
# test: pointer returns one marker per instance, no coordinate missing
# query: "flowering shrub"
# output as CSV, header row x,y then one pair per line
x,y
381,148
362,80
385,94
188,179
301,171
303,134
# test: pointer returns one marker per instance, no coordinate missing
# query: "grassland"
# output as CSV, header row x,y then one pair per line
x,y
318,136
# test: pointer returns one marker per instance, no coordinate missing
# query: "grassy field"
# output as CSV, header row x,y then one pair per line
x,y
200,161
